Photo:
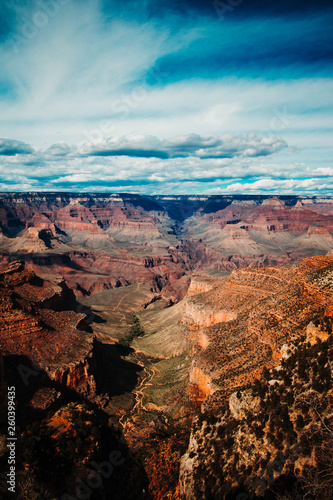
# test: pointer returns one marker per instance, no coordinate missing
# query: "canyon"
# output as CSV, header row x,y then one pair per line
x,y
102,241
161,314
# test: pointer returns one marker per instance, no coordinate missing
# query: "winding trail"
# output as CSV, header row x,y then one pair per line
x,y
125,296
123,317
120,301
138,393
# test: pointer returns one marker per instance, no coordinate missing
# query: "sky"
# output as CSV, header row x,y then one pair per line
x,y
167,97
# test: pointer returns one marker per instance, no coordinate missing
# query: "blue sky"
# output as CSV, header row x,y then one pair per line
x,y
211,97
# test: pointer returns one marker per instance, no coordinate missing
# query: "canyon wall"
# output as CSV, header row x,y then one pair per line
x,y
39,326
102,241
241,324
277,310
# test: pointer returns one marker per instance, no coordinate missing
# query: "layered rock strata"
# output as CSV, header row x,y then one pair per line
x,y
38,322
283,322
242,323
101,241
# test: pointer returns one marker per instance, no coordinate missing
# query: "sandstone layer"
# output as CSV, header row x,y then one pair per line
x,y
39,325
243,322
103,241
283,322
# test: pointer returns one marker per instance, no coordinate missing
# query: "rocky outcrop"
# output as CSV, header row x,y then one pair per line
x,y
40,221
199,284
196,317
198,313
38,322
241,402
281,313
272,438
200,385
78,376
315,333
241,324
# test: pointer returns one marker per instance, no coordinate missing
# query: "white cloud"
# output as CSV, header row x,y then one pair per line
x,y
229,146
282,186
59,149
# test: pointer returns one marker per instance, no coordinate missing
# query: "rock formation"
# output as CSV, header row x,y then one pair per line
x,y
280,316
241,324
100,241
38,322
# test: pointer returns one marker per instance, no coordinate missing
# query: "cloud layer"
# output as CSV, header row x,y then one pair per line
x,y
244,164
166,96
193,145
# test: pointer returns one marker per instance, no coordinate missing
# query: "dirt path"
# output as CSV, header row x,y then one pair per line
x,y
123,317
120,301
138,393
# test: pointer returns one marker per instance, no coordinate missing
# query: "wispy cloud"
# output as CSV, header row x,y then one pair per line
x,y
145,95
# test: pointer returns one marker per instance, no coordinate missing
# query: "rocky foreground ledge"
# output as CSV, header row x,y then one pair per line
x,y
41,329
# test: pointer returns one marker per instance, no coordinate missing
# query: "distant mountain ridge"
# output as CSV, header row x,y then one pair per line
x,y
99,241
